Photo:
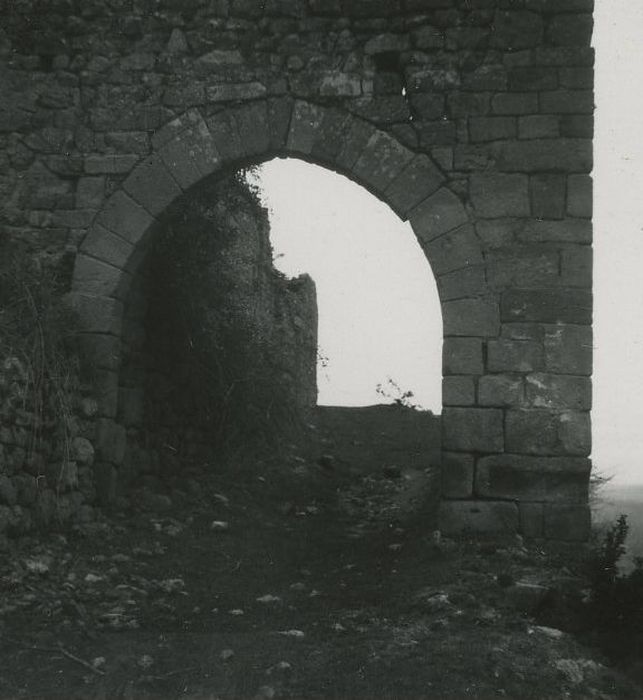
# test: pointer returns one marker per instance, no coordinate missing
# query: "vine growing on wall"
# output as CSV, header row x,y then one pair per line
x,y
40,362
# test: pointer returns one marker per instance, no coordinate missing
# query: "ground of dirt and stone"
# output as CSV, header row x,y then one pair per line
x,y
313,573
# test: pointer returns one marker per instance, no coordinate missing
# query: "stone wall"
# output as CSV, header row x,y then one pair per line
x,y
470,118
46,455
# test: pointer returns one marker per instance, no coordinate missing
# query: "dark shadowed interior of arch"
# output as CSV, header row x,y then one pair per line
x,y
263,290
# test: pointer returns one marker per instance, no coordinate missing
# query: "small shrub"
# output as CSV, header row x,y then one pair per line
x,y
393,391
615,606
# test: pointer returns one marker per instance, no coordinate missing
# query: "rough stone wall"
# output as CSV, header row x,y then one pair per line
x,y
471,118
219,349
46,477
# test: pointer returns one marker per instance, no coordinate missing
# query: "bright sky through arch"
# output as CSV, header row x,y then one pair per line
x,y
379,313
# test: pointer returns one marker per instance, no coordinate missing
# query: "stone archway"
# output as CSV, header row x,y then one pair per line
x,y
482,487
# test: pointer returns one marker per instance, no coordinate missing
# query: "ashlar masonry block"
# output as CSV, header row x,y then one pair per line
x,y
558,479
457,475
497,195
568,349
473,429
548,432
488,517
462,356
471,317
558,391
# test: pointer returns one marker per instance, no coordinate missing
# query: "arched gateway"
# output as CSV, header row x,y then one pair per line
x,y
515,418
473,120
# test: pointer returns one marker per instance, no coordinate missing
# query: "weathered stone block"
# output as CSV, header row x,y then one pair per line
x,y
575,433
220,58
564,56
175,127
533,268
382,160
567,101
457,475
467,157
577,126
496,195
523,331
538,126
491,128
547,194
454,250
472,429
97,314
496,234
541,432
506,355
558,391
224,129
99,278
514,103
152,186
527,78
428,106
125,217
462,356
72,218
567,522
104,245
531,431
568,349
304,126
560,155
567,231
467,282
279,111
439,132
355,136
570,30
532,519
439,213
577,78
419,179
554,6
383,43
579,196
234,92
547,306
471,317
500,390
576,269
191,156
485,77
468,104
428,37
252,127
460,517
458,391
90,192
111,164
533,478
